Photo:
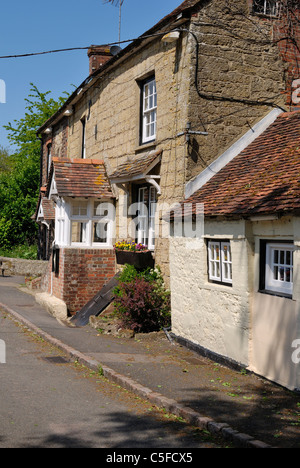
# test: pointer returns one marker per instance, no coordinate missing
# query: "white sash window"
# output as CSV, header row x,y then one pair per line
x,y
149,111
279,268
219,262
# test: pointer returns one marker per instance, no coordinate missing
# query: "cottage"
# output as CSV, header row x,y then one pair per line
x,y
235,292
148,128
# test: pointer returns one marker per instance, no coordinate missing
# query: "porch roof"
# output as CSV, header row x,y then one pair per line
x,y
80,178
264,179
48,209
136,167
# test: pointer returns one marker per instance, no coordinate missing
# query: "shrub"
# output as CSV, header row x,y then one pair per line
x,y
141,301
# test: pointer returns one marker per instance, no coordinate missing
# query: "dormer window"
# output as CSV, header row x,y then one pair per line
x,y
266,7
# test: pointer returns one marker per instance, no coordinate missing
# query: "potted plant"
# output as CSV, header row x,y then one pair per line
x,y
132,253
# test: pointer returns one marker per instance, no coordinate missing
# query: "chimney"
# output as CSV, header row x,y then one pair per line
x,y
98,56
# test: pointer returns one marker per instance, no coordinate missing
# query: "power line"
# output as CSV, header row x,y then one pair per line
x,y
78,48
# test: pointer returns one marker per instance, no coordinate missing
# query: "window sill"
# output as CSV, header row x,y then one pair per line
x,y
86,246
277,294
265,15
145,146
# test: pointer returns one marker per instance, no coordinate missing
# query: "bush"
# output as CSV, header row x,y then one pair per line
x,y
28,252
141,301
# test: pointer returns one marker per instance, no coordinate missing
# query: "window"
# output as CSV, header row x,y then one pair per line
x,y
49,158
219,262
101,223
79,222
83,139
266,7
60,221
149,110
146,216
278,268
84,223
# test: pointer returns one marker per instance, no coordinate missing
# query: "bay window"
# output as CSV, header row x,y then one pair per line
x,y
84,223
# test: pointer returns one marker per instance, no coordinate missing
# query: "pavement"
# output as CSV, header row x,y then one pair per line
x,y
243,409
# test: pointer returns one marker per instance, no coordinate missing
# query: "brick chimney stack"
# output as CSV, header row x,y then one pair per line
x,y
98,56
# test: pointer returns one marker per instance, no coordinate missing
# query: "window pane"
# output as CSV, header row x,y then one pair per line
x,y
100,231
281,257
279,269
79,208
78,232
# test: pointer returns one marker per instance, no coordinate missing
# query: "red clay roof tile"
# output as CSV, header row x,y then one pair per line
x,y
81,178
263,179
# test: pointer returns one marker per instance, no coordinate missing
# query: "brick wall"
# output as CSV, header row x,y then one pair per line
x,y
82,273
287,33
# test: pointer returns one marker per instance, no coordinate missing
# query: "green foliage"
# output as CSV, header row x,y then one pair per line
x,y
20,174
5,161
141,301
28,252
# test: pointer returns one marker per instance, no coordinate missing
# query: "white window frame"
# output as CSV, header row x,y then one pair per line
x,y
268,8
146,216
83,138
149,110
279,268
103,214
60,222
220,266
81,217
65,216
142,228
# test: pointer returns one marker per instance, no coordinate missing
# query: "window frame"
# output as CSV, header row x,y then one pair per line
x,y
65,217
83,138
268,283
220,263
264,8
146,207
147,112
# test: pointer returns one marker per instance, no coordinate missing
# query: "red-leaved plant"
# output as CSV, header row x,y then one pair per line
x,y
141,301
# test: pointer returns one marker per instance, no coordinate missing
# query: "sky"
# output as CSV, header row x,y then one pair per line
x,y
33,26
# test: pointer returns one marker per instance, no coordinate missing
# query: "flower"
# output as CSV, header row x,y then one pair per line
x,y
130,245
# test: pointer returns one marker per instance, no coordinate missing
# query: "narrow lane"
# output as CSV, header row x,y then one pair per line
x,y
48,402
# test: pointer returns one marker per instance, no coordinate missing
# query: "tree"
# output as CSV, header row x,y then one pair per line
x,y
19,186
5,160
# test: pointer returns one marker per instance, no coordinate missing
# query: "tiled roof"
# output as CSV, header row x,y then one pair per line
x,y
81,178
136,167
263,179
48,209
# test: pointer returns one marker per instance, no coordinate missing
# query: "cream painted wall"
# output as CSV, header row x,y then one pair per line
x,y
275,320
212,315
239,322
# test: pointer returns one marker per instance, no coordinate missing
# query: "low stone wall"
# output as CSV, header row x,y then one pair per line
x,y
22,267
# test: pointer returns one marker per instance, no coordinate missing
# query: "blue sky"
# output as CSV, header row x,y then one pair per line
x,y
35,26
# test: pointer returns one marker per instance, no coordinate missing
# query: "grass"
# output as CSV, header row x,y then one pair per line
x,y
28,252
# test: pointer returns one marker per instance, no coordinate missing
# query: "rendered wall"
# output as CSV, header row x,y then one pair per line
x,y
276,320
212,315
254,328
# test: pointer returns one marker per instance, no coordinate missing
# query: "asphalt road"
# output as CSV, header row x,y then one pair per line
x,y
48,402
